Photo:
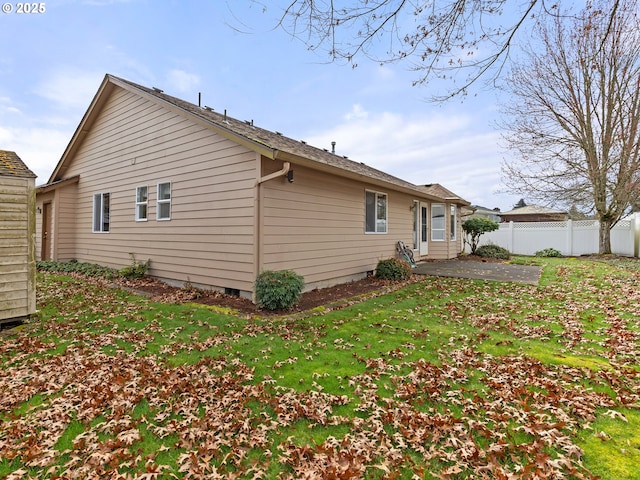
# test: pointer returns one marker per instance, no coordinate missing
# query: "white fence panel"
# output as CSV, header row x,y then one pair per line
x,y
571,238
584,237
623,237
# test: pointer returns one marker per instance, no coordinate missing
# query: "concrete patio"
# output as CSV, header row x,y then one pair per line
x,y
479,270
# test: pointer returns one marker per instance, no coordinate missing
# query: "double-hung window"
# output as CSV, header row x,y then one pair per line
x,y
375,212
163,209
437,222
101,212
142,203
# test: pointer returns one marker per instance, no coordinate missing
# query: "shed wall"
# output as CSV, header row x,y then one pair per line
x,y
17,248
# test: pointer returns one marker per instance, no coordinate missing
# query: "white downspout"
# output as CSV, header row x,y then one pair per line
x,y
280,173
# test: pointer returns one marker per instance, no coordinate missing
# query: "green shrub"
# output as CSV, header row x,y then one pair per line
x,y
548,252
278,290
136,269
393,269
475,227
73,266
493,251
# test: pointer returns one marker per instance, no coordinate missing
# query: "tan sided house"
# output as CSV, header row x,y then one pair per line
x,y
213,201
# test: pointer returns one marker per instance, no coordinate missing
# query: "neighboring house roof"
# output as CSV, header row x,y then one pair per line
x,y
481,209
12,166
532,210
272,145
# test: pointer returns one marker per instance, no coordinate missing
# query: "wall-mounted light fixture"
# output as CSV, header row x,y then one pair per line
x,y
290,176
38,210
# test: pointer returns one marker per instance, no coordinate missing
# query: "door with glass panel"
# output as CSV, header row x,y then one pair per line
x,y
423,228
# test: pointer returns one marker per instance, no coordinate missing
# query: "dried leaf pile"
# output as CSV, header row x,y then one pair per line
x,y
438,380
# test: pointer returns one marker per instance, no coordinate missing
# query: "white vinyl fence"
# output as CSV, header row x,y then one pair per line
x,y
571,238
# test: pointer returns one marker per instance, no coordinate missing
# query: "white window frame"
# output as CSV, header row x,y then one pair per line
x,y
98,216
453,228
140,204
416,224
438,233
381,225
163,201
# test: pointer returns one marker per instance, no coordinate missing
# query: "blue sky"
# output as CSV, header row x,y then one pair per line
x,y
52,63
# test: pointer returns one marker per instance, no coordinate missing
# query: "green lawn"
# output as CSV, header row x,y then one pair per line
x,y
444,378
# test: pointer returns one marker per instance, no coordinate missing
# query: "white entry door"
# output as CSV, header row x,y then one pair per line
x,y
423,230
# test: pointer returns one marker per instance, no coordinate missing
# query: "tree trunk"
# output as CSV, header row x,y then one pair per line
x,y
604,245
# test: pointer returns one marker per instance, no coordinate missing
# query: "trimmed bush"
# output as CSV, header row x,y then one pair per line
x,y
493,251
393,269
474,228
278,290
548,252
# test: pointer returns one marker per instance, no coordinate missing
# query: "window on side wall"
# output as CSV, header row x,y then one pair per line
x,y
163,211
101,212
142,203
452,220
437,222
375,212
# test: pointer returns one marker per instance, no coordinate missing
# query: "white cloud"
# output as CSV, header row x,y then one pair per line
x,y
390,141
356,113
70,88
39,148
182,81
7,107
443,148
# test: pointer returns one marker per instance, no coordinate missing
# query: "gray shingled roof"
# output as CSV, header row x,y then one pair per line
x,y
12,166
531,210
277,141
442,192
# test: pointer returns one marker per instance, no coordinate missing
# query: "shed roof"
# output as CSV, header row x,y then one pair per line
x,y
270,144
12,166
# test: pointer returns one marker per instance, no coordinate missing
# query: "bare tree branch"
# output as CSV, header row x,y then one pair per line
x,y
441,39
575,119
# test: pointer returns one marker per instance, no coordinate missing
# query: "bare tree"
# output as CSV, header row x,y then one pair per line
x,y
459,41
574,114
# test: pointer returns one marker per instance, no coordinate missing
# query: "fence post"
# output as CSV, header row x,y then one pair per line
x,y
569,237
635,228
510,239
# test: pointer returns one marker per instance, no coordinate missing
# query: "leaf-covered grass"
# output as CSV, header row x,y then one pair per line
x,y
444,378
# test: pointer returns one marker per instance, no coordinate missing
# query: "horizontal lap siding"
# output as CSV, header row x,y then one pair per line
x,y
66,230
446,249
316,226
209,239
16,288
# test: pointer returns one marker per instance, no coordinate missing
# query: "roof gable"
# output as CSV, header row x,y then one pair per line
x,y
439,191
267,143
12,166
